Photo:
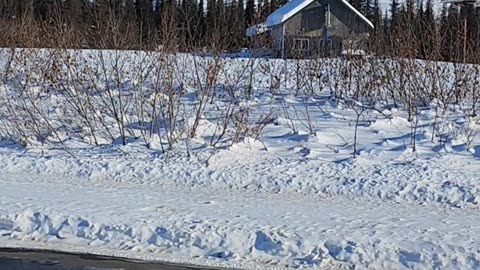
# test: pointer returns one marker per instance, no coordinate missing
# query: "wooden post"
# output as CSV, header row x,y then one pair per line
x,y
283,41
465,39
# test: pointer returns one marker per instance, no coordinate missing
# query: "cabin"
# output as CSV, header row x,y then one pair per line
x,y
312,28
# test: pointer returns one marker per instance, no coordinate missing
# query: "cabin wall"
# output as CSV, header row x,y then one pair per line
x,y
352,22
343,21
277,33
295,26
338,25
306,30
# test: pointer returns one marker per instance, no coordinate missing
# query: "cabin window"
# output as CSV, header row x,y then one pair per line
x,y
301,44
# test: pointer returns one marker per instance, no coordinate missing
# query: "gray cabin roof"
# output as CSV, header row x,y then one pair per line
x,y
293,7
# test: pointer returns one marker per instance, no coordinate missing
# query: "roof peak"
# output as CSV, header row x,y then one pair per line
x,y
291,8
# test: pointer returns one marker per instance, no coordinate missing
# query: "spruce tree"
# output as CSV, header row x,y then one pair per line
x,y
393,23
240,24
144,19
250,12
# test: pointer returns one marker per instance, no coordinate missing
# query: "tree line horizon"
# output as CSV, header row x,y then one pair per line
x,y
409,29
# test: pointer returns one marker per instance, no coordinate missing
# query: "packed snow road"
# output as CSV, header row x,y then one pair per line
x,y
242,229
21,259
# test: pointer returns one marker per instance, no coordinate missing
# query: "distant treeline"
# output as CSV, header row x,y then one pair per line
x,y
409,29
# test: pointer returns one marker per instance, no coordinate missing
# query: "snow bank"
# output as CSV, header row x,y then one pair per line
x,y
243,230
200,240
248,166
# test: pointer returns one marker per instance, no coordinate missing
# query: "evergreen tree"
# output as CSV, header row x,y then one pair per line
x,y
394,14
250,12
377,39
144,19
357,4
470,21
376,16
367,8
393,25
410,10
73,12
200,31
387,35
263,10
274,5
450,28
211,20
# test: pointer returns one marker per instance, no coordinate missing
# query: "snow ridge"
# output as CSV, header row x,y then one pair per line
x,y
419,181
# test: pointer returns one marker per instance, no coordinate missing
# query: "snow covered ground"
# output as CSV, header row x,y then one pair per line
x,y
235,229
247,209
250,167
